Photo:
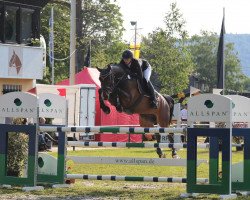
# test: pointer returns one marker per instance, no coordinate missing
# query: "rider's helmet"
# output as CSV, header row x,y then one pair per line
x,y
127,54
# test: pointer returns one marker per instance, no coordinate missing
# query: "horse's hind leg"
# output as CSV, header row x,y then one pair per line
x,y
174,150
158,149
147,121
164,121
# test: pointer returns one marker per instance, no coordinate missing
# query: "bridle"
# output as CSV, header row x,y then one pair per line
x,y
113,83
109,75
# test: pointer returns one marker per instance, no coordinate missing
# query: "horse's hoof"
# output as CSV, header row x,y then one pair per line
x,y
107,110
119,109
176,157
163,155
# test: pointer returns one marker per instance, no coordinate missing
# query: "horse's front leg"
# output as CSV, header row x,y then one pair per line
x,y
115,101
104,108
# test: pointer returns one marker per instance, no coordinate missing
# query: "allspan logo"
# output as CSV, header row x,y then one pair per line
x,y
17,102
47,103
209,104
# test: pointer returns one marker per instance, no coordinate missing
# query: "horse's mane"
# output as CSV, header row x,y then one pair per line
x,y
117,69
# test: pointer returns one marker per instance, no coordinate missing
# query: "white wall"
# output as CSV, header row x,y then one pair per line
x,y
30,57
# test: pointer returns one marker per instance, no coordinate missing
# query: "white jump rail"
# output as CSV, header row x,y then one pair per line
x,y
109,129
131,178
139,145
131,161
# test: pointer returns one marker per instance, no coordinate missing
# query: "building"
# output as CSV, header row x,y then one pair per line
x,y
22,59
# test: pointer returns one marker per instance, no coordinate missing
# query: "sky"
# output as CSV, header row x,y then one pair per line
x,y
199,15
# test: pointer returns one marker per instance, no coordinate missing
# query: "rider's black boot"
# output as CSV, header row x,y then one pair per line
x,y
153,103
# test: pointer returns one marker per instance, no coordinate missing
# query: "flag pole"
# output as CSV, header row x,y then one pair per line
x,y
51,46
223,48
221,57
90,53
72,43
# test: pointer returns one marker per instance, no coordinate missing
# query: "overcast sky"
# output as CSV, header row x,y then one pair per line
x,y
199,14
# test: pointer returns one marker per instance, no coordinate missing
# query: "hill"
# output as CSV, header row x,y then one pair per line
x,y
242,46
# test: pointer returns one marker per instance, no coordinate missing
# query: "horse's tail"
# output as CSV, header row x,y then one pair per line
x,y
170,101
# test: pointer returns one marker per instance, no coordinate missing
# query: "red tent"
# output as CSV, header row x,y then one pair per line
x,y
91,76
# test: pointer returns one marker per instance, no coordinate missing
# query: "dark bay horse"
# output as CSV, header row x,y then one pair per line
x,y
120,87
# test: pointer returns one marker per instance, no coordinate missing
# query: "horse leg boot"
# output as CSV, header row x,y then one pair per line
x,y
159,152
174,150
158,149
153,103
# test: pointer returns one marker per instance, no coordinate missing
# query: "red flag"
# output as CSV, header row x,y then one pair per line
x,y
62,92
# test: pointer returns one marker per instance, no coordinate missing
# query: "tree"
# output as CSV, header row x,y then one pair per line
x,y
166,50
204,49
110,54
204,52
97,21
61,40
234,78
247,84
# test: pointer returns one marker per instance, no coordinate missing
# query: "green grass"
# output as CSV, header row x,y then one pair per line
x,y
121,190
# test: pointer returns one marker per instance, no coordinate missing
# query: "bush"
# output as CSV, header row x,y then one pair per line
x,y
17,151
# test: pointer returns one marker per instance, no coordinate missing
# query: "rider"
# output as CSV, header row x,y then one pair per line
x,y
142,69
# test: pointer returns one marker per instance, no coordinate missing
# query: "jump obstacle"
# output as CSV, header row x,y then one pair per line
x,y
214,108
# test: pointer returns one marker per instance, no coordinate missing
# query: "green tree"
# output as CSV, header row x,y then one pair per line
x,y
97,21
247,84
204,51
234,78
166,50
61,40
110,54
101,24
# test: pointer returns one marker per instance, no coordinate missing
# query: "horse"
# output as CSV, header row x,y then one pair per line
x,y
122,89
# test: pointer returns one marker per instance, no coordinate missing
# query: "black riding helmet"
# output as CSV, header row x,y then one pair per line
x,y
127,54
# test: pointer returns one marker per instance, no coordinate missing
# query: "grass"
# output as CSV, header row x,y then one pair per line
x,y
85,189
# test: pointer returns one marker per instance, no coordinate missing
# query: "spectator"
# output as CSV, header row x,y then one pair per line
x,y
184,114
44,139
42,120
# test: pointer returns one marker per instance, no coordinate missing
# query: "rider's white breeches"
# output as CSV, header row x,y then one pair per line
x,y
147,73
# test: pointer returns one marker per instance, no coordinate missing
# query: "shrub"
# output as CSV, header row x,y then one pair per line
x,y
17,151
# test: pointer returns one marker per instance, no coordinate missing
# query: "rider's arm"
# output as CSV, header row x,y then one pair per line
x,y
145,65
146,70
138,70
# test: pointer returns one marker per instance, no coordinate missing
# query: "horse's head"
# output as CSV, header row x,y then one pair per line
x,y
110,79
107,81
